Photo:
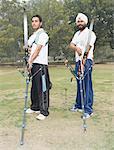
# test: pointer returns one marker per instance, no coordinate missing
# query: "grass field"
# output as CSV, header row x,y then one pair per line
x,y
62,130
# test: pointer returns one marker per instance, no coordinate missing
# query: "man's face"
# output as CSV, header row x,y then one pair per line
x,y
36,24
81,24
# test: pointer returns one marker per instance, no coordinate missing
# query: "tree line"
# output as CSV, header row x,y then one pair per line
x,y
59,21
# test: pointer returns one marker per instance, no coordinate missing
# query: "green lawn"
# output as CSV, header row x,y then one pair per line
x,y
62,129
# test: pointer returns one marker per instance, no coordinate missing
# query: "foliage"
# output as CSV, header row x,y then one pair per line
x,y
56,15
10,28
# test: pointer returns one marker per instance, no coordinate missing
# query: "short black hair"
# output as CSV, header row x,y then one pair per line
x,y
38,16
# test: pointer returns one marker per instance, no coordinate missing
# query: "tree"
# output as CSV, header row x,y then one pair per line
x,y
10,28
102,11
56,15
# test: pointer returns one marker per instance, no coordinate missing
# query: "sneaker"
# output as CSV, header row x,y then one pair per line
x,y
30,111
40,117
79,110
86,115
91,114
75,109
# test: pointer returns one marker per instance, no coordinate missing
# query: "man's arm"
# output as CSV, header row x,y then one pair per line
x,y
33,56
86,55
87,52
75,48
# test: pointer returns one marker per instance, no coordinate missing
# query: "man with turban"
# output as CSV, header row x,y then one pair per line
x,y
79,45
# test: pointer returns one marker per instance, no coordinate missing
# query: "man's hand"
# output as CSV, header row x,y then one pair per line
x,y
75,48
66,62
79,51
29,66
29,50
83,61
25,47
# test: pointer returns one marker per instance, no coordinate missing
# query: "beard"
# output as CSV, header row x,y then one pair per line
x,y
81,27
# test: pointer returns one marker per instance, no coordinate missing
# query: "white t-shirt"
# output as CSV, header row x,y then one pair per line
x,y
80,39
40,37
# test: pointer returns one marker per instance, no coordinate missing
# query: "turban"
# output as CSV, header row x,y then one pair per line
x,y
82,17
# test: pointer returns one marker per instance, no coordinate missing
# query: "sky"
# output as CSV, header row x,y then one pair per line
x,y
21,0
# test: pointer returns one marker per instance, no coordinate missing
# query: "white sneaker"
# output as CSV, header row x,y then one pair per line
x,y
74,109
86,115
80,110
40,117
30,111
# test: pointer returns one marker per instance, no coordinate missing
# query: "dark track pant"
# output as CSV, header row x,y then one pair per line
x,y
88,100
40,99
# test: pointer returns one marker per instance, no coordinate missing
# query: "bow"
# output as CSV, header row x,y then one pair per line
x,y
67,64
24,72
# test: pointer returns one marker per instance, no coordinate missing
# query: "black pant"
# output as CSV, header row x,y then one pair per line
x,y
40,99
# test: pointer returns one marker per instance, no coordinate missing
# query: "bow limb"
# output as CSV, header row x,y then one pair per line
x,y
87,49
25,30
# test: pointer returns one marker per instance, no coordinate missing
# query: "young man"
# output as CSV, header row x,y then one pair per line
x,y
79,45
38,66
